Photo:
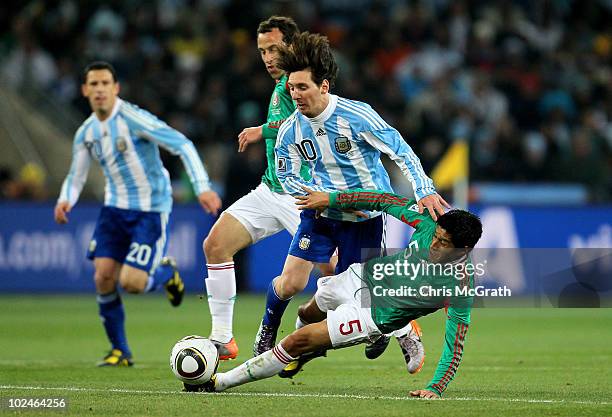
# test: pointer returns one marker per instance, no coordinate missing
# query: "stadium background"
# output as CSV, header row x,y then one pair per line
x,y
526,86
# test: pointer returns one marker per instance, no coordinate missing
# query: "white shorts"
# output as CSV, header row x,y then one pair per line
x,y
263,212
348,322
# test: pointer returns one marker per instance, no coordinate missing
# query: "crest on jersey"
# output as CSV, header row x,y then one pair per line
x,y
343,144
281,164
92,245
304,242
275,99
121,144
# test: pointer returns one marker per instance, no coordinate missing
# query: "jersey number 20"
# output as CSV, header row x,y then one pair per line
x,y
139,254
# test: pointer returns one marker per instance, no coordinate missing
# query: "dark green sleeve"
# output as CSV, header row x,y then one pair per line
x,y
280,108
457,324
402,208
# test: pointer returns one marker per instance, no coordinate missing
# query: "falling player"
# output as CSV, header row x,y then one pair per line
x,y
339,317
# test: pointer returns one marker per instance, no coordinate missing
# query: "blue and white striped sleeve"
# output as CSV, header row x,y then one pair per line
x,y
150,127
77,175
289,162
390,142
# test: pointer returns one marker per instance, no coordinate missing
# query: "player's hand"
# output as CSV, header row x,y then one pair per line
x,y
433,203
249,135
315,200
61,212
210,201
424,393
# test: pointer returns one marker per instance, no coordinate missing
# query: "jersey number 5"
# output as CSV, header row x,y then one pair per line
x,y
351,329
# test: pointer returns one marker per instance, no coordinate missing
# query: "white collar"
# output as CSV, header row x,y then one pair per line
x,y
327,112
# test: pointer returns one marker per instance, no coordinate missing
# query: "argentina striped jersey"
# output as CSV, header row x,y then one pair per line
x,y
126,146
343,145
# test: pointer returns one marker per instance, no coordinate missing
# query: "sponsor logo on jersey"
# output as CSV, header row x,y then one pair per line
x,y
343,144
282,164
304,242
320,132
121,144
275,99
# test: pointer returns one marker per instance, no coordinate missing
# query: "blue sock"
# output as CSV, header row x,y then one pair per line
x,y
113,319
161,275
275,307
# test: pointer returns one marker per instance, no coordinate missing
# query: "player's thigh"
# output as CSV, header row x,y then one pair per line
x,y
227,236
314,240
351,324
309,338
332,291
359,241
111,237
106,274
258,213
149,241
294,277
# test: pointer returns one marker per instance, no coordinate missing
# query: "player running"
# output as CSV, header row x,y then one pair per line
x,y
129,243
347,308
264,211
342,141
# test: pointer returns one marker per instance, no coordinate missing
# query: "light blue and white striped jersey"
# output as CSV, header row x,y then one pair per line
x,y
343,146
126,146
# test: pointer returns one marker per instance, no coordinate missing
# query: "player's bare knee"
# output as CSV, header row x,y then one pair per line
x,y
310,312
215,249
290,285
104,282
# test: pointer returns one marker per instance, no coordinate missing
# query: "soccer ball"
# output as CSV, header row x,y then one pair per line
x,y
194,360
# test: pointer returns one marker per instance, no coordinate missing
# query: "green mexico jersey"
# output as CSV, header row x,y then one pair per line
x,y
404,286
281,106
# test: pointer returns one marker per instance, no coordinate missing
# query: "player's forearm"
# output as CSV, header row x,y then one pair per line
x,y
451,356
368,200
195,169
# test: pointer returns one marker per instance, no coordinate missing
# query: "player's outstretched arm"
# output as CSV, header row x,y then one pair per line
x,y
457,324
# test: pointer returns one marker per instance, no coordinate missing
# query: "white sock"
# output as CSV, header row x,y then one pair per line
x,y
263,366
299,323
402,332
221,290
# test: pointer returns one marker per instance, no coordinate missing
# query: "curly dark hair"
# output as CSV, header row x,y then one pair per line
x,y
464,227
286,25
310,51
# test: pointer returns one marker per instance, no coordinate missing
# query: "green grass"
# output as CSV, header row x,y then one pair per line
x,y
517,362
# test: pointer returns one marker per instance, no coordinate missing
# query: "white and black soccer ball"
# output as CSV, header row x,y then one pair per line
x,y
194,360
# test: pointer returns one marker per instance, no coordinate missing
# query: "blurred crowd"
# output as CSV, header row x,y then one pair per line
x,y
527,83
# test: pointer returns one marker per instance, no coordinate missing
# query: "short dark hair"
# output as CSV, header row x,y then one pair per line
x,y
310,51
286,25
99,65
464,227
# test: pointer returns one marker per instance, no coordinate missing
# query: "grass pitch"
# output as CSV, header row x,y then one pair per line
x,y
517,362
